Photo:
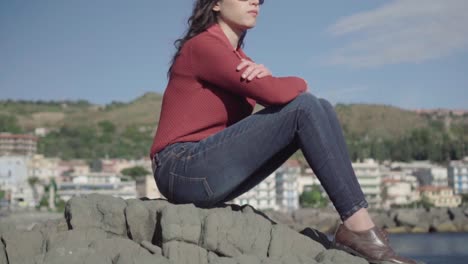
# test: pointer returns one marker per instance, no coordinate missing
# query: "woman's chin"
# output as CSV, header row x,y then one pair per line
x,y
249,25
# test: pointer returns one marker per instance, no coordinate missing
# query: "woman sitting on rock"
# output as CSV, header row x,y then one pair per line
x,y
209,148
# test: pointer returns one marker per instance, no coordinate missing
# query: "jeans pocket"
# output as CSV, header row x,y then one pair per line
x,y
190,190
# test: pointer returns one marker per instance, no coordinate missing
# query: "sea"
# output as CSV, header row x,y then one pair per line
x,y
433,248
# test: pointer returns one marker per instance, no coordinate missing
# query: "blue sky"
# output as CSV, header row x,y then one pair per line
x,y
406,53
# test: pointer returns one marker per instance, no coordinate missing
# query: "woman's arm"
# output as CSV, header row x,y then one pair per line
x,y
213,62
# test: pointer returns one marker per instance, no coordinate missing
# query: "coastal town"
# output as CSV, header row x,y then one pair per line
x,y
30,180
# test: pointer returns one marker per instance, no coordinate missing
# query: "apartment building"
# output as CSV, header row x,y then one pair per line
x,y
262,196
440,196
17,145
98,182
370,178
458,176
14,181
287,196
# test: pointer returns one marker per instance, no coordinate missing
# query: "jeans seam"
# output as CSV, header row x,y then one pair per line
x,y
355,208
208,188
230,138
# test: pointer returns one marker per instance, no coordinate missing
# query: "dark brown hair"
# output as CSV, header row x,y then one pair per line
x,y
202,18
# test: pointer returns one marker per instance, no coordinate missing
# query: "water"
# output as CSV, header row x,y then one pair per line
x,y
433,248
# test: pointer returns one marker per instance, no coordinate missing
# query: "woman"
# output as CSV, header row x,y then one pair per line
x,y
209,148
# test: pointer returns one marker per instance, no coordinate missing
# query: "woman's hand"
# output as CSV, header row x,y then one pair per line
x,y
253,70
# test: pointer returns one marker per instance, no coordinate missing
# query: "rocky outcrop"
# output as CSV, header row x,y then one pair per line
x,y
414,220
422,220
108,230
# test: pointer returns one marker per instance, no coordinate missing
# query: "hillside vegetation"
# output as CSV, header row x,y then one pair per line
x,y
80,129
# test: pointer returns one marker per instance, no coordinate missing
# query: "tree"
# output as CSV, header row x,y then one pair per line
x,y
9,124
313,198
135,172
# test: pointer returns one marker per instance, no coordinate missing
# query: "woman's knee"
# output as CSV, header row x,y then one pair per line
x,y
307,101
325,103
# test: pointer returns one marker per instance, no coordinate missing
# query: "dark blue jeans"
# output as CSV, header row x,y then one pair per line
x,y
227,164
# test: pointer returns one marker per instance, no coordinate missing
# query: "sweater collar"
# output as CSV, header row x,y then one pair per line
x,y
217,31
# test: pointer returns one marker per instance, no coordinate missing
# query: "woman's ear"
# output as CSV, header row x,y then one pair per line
x,y
216,7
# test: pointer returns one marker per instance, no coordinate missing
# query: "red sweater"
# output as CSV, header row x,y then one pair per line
x,y
206,94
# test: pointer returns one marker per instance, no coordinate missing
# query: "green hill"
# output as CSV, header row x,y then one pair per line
x,y
144,111
81,129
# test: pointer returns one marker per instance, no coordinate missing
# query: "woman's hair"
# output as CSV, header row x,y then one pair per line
x,y
202,17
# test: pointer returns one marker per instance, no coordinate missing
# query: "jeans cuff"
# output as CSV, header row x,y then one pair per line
x,y
355,208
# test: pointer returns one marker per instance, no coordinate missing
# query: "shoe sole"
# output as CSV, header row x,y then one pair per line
x,y
355,253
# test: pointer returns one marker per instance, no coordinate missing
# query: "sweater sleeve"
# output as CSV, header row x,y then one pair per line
x,y
214,63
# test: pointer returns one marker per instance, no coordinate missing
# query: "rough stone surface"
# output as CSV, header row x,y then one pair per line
x,y
16,250
185,253
151,248
142,219
106,230
338,256
181,222
285,241
3,257
232,233
98,211
447,226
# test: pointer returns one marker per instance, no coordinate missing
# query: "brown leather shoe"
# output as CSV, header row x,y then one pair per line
x,y
372,244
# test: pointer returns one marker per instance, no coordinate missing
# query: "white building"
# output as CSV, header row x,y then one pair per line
x,y
287,196
14,181
458,176
307,180
440,196
370,178
98,182
262,196
399,189
43,168
439,176
68,169
426,172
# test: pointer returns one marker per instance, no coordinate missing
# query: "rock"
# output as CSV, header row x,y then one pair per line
x,y
142,219
285,241
279,217
6,226
97,211
456,213
408,218
185,253
419,229
447,226
289,259
338,257
231,233
438,216
83,255
155,231
383,220
23,246
142,259
398,229
3,256
72,240
181,222
153,249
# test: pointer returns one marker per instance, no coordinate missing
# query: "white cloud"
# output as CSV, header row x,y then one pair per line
x,y
402,31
